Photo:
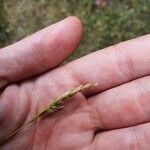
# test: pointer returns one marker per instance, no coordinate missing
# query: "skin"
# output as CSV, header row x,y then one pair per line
x,y
114,115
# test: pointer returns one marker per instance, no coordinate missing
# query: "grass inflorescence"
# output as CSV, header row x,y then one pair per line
x,y
56,105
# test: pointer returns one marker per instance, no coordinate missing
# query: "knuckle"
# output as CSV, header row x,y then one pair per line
x,y
124,61
135,141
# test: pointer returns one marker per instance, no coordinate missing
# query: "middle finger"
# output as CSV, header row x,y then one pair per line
x,y
122,106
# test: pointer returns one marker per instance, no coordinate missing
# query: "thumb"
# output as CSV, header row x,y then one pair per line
x,y
40,52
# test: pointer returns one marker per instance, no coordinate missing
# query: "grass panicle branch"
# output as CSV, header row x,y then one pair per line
x,y
56,105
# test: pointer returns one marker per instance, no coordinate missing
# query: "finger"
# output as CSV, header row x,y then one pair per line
x,y
114,65
123,106
136,137
40,51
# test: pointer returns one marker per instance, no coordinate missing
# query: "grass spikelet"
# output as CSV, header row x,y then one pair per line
x,y
56,105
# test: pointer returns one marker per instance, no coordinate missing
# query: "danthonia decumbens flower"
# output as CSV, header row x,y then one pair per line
x,y
56,105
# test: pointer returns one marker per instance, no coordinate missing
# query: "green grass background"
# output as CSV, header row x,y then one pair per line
x,y
106,23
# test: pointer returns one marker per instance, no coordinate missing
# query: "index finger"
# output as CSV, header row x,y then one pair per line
x,y
114,65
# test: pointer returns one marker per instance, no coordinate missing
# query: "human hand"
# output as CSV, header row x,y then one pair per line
x,y
112,116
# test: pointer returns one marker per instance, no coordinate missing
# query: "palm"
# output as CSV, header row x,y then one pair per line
x,y
58,131
104,117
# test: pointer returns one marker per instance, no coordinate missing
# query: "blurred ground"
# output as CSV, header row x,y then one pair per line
x,y
106,22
